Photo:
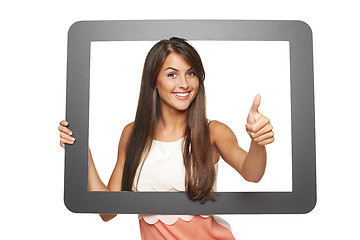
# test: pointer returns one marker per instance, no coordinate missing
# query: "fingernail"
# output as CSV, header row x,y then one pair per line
x,y
73,139
70,133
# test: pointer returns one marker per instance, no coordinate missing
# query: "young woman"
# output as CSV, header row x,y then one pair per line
x,y
172,146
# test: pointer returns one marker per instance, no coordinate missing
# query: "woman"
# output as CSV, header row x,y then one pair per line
x,y
171,145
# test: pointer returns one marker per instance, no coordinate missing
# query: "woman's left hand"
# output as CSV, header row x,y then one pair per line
x,y
258,126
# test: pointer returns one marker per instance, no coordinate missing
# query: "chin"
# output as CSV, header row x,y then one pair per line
x,y
182,108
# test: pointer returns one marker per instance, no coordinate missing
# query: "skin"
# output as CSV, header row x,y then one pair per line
x,y
176,76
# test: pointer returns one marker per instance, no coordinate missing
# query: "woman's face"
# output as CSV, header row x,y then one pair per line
x,y
177,83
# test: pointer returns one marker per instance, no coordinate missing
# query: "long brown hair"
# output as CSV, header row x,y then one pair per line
x,y
199,166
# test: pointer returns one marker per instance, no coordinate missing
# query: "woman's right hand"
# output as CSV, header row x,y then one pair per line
x,y
65,134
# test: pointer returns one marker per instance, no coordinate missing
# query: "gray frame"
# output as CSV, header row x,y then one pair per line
x,y
303,197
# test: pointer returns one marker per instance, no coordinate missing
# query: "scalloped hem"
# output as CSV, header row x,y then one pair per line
x,y
167,219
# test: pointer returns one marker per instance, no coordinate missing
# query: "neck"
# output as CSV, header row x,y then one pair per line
x,y
171,124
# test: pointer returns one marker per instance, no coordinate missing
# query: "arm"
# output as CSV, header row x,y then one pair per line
x,y
94,181
250,165
116,176
255,163
95,184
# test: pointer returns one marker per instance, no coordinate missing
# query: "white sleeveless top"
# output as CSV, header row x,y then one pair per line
x,y
164,170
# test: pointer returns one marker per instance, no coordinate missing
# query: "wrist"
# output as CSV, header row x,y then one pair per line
x,y
256,145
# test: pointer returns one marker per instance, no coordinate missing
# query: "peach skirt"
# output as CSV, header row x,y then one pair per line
x,y
198,228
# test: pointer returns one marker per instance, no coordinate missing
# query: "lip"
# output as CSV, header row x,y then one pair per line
x,y
181,97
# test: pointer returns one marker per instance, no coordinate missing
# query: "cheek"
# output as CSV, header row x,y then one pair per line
x,y
196,85
160,93
164,85
163,89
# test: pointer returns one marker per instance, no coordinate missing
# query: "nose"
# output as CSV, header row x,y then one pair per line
x,y
183,82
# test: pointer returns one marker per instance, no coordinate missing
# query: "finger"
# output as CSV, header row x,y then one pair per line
x,y
256,103
266,131
258,124
67,137
264,136
62,144
267,128
64,123
64,130
250,134
64,141
266,141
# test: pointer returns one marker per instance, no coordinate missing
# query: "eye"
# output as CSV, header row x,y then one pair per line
x,y
171,75
191,74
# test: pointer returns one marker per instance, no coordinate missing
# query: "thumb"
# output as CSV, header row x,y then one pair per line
x,y
256,103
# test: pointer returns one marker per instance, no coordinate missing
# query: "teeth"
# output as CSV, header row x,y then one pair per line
x,y
182,94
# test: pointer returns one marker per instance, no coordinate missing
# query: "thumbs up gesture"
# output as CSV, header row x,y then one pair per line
x,y
258,126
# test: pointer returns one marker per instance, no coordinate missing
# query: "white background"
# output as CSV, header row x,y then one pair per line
x,y
33,74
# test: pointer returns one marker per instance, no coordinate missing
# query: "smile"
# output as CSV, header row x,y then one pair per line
x,y
181,95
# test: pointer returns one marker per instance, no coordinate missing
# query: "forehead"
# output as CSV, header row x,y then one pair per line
x,y
177,61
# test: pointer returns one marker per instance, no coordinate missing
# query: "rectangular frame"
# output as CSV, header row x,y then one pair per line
x,y
303,197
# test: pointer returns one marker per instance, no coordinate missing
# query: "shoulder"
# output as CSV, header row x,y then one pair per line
x,y
217,127
126,132
128,128
219,131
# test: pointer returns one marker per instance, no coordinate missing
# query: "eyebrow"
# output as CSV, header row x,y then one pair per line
x,y
175,69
